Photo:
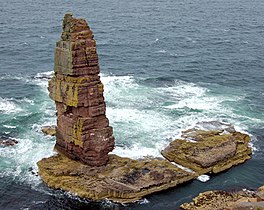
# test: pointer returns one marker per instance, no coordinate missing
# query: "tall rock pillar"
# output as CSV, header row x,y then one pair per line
x,y
83,132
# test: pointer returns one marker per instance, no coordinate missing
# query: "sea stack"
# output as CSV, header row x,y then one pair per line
x,y
83,132
85,138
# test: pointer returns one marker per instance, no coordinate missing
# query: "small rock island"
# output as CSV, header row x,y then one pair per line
x,y
84,138
83,135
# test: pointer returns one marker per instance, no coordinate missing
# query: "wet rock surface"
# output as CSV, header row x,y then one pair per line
x,y
49,130
206,151
7,142
219,200
121,180
83,132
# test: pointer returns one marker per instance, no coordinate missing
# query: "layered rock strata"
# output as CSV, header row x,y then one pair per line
x,y
121,180
206,151
219,200
83,131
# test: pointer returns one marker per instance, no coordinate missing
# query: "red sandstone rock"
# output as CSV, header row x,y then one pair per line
x,y
83,131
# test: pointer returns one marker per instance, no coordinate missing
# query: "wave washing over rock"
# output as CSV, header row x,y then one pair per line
x,y
83,133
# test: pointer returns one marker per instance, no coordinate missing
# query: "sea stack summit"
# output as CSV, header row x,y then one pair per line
x,y
83,132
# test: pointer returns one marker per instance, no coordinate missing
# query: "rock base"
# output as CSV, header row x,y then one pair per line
x,y
122,180
209,151
218,200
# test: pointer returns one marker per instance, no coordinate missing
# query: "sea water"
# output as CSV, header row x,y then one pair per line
x,y
166,65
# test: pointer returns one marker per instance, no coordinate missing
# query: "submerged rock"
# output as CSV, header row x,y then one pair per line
x,y
7,142
49,130
121,180
218,200
206,151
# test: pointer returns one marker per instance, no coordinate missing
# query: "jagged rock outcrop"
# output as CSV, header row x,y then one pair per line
x,y
49,130
121,179
206,151
222,200
83,132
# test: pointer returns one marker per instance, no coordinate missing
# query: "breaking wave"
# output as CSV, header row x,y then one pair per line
x,y
8,106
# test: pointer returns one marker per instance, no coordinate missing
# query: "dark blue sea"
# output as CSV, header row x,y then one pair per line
x,y
166,65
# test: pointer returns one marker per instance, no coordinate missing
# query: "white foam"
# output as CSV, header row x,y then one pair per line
x,y
182,167
181,90
203,178
7,132
7,106
189,95
196,103
143,201
9,126
137,151
123,81
162,51
44,75
22,101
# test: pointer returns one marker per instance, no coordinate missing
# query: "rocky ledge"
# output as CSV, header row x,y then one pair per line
x,y
219,200
121,180
209,151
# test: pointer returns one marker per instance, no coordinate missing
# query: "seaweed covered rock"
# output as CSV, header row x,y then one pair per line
x,y
219,200
83,132
206,151
121,180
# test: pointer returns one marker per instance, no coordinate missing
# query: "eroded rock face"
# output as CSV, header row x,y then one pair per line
x,y
218,200
121,180
83,131
207,151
